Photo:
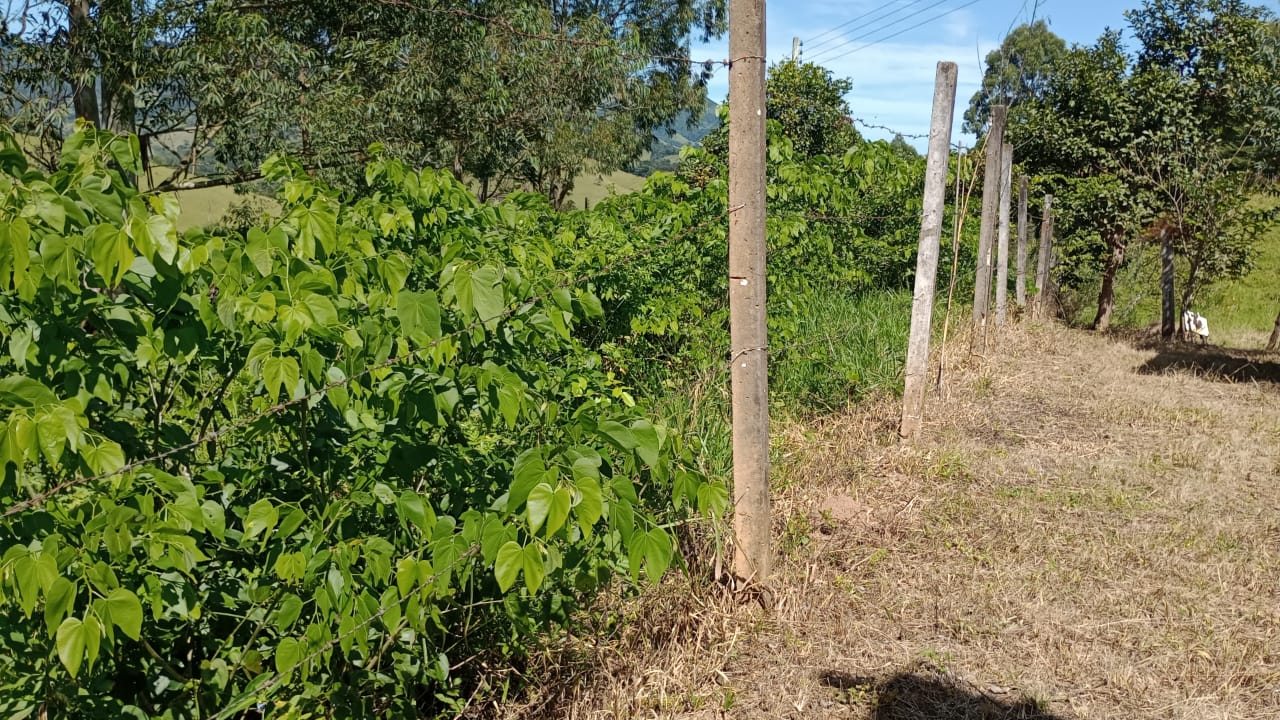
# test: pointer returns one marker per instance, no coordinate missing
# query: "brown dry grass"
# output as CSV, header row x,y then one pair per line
x,y
1085,531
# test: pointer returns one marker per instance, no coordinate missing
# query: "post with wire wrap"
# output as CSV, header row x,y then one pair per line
x,y
935,195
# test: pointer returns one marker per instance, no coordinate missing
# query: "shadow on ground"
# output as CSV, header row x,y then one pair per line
x,y
924,694
1211,362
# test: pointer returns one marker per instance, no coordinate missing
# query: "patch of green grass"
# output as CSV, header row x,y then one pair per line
x,y
591,188
206,206
840,348
1241,312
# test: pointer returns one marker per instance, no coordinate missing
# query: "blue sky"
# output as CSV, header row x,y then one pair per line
x,y
893,76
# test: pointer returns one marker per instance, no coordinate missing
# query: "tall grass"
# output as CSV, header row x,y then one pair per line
x,y
842,348
836,350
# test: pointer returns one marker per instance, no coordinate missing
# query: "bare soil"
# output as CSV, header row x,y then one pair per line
x,y
1088,528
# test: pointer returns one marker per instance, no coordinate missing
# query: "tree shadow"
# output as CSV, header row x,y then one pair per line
x,y
1211,362
924,693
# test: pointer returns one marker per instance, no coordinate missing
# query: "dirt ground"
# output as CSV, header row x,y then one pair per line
x,y
1088,528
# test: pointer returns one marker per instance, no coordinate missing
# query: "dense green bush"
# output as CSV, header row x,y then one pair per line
x,y
348,460
320,464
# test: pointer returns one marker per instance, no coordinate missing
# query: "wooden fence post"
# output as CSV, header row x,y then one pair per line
x,y
987,230
1002,253
1020,289
747,321
1168,310
1042,268
935,197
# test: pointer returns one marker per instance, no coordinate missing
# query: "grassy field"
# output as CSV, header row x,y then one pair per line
x,y
1241,312
1045,550
591,188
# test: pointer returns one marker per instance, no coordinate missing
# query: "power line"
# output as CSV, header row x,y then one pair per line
x,y
845,42
907,29
815,45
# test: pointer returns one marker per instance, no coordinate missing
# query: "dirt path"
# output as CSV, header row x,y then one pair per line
x,y
1082,533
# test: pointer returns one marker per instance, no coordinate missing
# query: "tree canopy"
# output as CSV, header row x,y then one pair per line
x,y
1017,72
509,92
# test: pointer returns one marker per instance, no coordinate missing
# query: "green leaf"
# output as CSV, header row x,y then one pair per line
x,y
215,518
91,629
258,248
657,554
534,567
529,469
647,443
321,309
419,315
70,641
539,503
59,602
618,434
126,612
261,519
19,391
487,289
291,567
507,567
104,458
288,612
414,511
279,374
590,504
288,655
561,503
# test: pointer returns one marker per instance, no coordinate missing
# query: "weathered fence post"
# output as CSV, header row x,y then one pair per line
x,y
935,197
987,231
1002,253
1020,284
1042,269
747,320
1168,310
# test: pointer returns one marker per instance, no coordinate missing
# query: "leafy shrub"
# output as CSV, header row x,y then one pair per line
x,y
312,468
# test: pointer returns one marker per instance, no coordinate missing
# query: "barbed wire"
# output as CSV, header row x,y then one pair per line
x,y
279,407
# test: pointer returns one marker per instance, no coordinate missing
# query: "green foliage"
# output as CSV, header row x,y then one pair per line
x,y
1019,71
510,92
809,107
323,461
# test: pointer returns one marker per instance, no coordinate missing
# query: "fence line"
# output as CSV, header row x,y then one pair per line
x,y
280,407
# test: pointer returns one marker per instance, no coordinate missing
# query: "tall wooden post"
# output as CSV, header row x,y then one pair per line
x,y
747,326
1168,310
1020,284
1002,254
1042,268
935,196
987,230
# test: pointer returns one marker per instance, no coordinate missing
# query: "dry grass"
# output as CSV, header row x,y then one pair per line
x,y
1085,531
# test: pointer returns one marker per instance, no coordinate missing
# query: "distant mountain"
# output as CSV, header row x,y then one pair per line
x,y
664,153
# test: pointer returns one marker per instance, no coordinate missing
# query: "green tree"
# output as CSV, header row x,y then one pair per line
x,y
808,103
1018,72
512,93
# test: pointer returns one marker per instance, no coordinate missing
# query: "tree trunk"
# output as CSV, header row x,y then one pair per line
x,y
84,80
1274,343
119,106
1107,295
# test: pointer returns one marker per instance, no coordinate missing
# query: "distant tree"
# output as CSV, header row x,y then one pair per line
x,y
1017,72
808,102
903,148
512,93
